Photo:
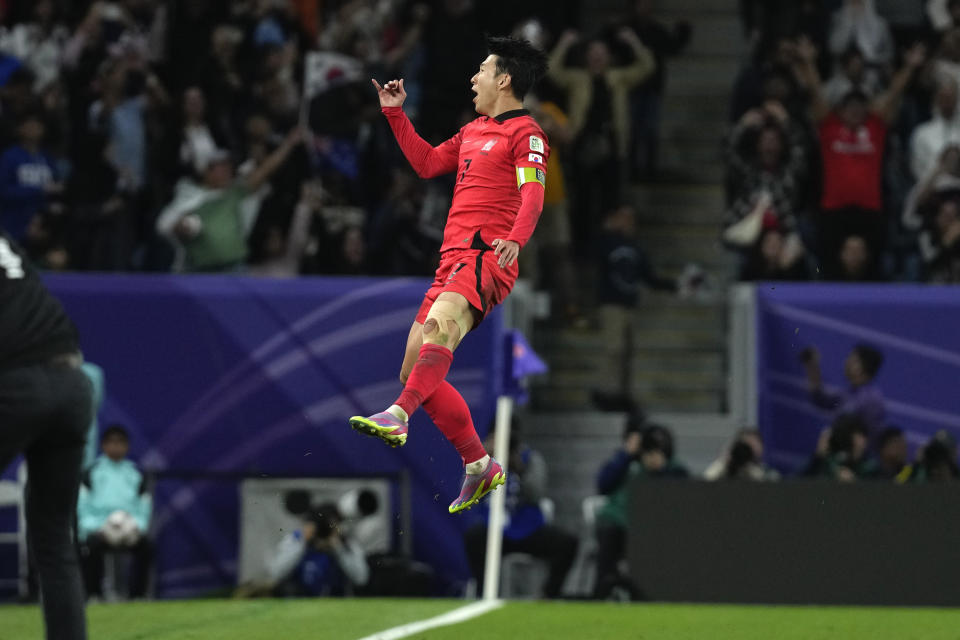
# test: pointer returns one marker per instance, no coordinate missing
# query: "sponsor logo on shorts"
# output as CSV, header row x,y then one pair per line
x,y
535,157
536,144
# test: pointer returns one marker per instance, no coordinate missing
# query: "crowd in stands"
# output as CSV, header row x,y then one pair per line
x,y
842,155
203,136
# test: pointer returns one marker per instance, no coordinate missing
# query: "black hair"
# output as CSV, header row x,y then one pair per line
x,y
297,502
854,95
657,438
841,434
941,454
888,435
367,502
635,422
853,51
326,518
31,114
741,455
115,430
21,76
870,357
521,60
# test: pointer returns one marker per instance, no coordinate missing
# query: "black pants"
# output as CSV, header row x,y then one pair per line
x,y
595,194
44,413
555,546
611,549
92,552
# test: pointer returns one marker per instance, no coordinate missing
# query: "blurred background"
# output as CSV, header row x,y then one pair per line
x,y
742,270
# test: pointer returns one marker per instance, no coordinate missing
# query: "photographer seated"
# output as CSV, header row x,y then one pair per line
x,y
113,512
841,450
937,461
647,453
742,460
317,559
890,463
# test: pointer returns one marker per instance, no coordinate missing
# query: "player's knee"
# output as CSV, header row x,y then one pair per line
x,y
431,328
453,333
404,374
443,332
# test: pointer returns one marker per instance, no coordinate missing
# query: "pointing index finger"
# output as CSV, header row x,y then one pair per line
x,y
376,84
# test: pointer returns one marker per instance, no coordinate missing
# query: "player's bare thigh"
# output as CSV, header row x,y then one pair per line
x,y
448,321
414,342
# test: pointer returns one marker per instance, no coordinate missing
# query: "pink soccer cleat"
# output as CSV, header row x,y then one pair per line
x,y
383,425
476,486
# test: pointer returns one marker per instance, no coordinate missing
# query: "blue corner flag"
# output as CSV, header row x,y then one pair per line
x,y
522,362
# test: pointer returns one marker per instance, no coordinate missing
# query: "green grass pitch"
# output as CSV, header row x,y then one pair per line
x,y
352,619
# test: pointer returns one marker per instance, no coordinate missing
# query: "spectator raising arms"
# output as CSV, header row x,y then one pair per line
x,y
852,138
599,123
208,222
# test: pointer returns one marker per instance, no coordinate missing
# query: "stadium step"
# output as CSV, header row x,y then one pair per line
x,y
699,7
705,74
713,33
679,360
653,401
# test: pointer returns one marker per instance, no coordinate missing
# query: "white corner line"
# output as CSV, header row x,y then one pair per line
x,y
459,614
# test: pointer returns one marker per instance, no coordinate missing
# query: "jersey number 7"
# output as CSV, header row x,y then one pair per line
x,y
466,162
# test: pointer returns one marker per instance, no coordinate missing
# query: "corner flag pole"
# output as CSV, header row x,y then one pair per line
x,y
491,574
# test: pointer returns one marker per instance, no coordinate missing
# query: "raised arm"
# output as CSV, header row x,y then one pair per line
x,y
809,77
275,160
428,161
885,105
556,69
643,64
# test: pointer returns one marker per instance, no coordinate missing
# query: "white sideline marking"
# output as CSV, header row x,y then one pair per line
x,y
450,617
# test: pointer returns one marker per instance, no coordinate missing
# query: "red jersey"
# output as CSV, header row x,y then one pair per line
x,y
852,163
495,158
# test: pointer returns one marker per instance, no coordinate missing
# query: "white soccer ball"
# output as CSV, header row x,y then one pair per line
x,y
120,529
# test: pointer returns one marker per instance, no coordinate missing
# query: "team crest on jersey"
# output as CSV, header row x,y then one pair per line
x,y
536,144
489,145
535,157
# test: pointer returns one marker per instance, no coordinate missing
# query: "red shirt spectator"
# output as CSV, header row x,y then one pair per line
x,y
852,162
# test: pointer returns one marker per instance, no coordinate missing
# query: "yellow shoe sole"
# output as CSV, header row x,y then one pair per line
x,y
498,480
370,428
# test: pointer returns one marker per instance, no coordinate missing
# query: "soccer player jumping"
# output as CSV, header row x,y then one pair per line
x,y
499,159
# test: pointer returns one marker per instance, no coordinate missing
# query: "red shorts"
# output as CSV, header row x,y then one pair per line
x,y
474,274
